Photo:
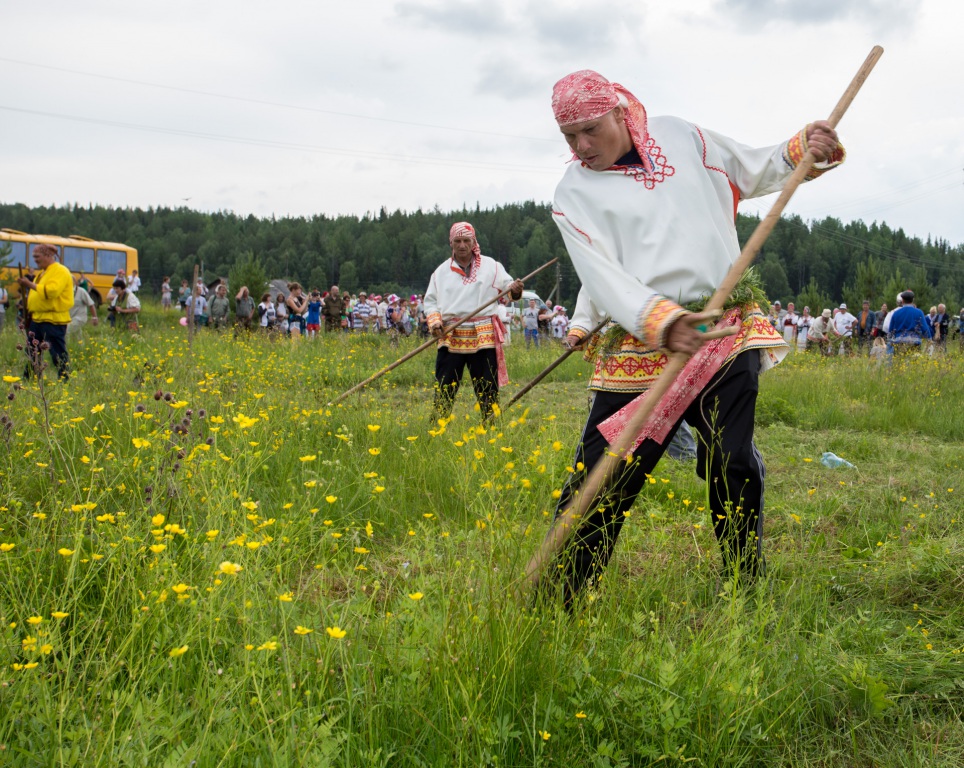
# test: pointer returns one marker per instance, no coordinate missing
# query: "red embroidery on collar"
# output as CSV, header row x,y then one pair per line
x,y
661,170
476,263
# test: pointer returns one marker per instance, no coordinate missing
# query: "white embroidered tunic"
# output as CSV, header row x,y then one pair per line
x,y
644,244
452,294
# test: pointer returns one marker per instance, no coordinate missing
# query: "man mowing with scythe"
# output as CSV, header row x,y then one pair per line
x,y
456,287
647,212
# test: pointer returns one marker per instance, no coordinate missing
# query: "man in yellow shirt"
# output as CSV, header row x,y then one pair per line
x,y
49,301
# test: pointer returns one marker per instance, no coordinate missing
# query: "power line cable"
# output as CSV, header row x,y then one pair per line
x,y
273,104
358,154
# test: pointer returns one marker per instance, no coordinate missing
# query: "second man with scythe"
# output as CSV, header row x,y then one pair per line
x,y
458,286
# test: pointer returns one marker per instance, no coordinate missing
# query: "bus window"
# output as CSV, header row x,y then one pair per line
x,y
109,262
78,259
18,254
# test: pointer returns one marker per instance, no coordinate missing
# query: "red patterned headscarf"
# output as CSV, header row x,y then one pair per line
x,y
587,95
464,229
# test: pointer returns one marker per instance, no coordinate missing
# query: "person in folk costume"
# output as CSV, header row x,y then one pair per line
x,y
647,211
458,286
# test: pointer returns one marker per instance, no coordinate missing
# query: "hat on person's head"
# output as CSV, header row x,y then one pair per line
x,y
464,229
826,313
907,297
362,293
777,303
45,250
586,95
843,306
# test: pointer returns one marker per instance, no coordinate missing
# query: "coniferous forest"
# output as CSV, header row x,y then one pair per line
x,y
816,263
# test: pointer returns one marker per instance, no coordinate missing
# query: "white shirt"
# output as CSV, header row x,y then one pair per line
x,y
453,295
130,301
670,235
82,303
844,323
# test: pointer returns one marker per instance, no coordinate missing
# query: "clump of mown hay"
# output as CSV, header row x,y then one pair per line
x,y
747,294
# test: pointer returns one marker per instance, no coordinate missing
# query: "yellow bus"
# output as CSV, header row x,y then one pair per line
x,y
97,261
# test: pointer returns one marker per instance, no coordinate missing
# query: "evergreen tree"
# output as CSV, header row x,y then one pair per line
x,y
248,271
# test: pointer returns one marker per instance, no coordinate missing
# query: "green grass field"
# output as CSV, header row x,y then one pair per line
x,y
202,563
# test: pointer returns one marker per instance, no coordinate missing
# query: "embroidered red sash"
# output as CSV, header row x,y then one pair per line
x,y
695,375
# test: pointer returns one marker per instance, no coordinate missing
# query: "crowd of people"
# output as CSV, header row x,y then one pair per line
x,y
877,333
301,313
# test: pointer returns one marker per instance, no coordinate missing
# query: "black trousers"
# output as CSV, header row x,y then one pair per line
x,y
53,334
726,458
484,371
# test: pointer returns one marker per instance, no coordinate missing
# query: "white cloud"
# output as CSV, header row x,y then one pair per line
x,y
418,103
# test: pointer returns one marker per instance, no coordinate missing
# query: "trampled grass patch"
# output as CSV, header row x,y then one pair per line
x,y
203,560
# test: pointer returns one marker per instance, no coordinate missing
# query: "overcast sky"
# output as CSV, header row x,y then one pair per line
x,y
305,108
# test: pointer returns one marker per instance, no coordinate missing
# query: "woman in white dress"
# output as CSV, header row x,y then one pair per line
x,y
803,327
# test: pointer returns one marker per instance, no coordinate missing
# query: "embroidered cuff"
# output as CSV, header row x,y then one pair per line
x,y
434,319
654,320
796,148
575,330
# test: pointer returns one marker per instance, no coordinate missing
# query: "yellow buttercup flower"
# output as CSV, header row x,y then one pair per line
x,y
175,652
245,422
336,633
